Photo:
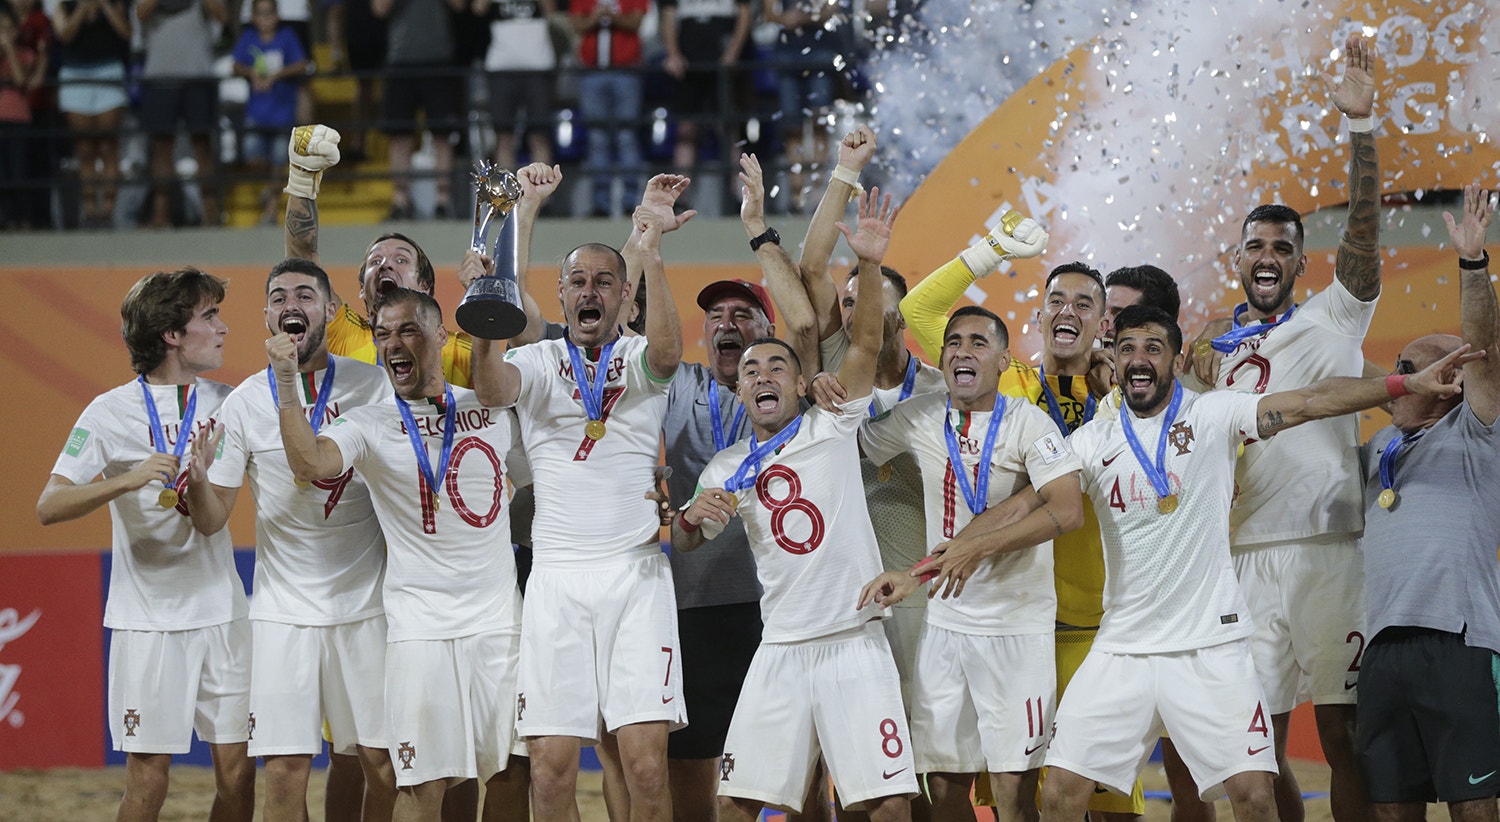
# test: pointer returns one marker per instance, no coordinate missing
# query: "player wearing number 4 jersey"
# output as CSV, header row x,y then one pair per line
x,y
432,457
1172,650
823,681
316,617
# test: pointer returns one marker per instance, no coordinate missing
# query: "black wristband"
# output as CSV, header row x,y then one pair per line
x,y
1475,265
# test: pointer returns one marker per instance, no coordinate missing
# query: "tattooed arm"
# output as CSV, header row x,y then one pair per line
x,y
301,227
1358,263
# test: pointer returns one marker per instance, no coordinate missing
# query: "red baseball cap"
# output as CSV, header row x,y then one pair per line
x,y
715,291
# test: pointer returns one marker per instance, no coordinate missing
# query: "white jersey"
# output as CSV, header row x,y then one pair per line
x,y
319,552
590,494
450,570
1306,481
165,575
1011,593
1169,582
808,525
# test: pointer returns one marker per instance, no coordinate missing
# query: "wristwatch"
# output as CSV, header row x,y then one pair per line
x,y
770,236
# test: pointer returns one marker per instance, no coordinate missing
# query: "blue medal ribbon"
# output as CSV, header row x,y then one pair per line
x,y
749,469
424,465
159,434
591,393
907,384
1226,343
1155,472
1390,453
717,419
977,495
320,405
1055,409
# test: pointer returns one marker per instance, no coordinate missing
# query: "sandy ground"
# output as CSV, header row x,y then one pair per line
x,y
87,795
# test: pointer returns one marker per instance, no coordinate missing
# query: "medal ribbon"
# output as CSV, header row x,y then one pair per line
x,y
717,420
1056,410
424,465
319,406
749,469
1389,454
907,383
1155,472
592,394
158,434
1230,340
977,495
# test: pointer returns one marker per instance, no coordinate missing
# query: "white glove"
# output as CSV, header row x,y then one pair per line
x,y
311,151
1025,240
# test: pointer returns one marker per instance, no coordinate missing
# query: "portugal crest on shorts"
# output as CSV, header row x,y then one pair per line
x,y
132,721
520,706
252,724
726,767
406,753
1181,436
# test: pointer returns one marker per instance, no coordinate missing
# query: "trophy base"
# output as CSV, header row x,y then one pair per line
x,y
491,309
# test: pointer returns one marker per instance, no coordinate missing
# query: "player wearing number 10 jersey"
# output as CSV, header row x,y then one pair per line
x,y
432,457
823,681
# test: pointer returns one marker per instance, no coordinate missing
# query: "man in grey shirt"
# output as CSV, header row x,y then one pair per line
x,y
1429,728
178,88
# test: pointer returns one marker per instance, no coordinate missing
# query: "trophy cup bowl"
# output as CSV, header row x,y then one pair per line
x,y
491,307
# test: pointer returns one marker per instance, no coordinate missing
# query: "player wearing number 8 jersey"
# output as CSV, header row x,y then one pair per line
x,y
432,457
823,681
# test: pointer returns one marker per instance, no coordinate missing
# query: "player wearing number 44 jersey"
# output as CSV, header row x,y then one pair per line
x,y
180,650
432,457
823,680
317,618
1172,651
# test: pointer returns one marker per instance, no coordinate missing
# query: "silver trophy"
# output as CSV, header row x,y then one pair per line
x,y
491,308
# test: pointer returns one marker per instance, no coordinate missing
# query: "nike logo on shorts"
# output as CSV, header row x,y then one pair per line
x,y
1349,686
1112,459
891,774
1254,751
1030,751
1475,781
667,699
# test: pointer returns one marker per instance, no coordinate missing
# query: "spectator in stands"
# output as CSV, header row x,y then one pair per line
x,y
813,36
96,40
42,144
609,99
20,73
419,50
520,62
269,56
178,89
357,39
293,14
701,37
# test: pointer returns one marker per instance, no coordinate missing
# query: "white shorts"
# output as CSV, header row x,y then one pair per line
x,y
163,685
1308,604
836,696
451,706
983,704
600,645
303,675
903,630
1208,699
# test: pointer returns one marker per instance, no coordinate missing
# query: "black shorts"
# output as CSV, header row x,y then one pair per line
x,y
521,99
436,96
166,103
717,643
698,90
1429,718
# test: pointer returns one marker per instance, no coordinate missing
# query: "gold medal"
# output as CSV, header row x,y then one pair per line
x,y
885,472
302,485
1387,498
734,501
1167,504
1202,348
594,430
434,502
167,498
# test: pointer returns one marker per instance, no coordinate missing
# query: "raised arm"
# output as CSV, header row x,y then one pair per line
x,y
312,150
209,505
1477,305
1358,262
869,243
538,181
799,326
310,456
822,289
663,327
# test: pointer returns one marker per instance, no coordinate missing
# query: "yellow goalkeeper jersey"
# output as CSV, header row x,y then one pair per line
x,y
349,335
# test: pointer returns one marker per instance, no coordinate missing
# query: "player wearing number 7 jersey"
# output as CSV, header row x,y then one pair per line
x,y
823,681
432,458
316,617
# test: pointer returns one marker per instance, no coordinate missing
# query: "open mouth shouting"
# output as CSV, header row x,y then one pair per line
x,y
964,376
294,325
402,367
590,316
767,402
1265,282
729,346
1064,334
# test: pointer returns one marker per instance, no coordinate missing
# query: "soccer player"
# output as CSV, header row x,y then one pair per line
x,y
1136,285
317,618
1428,728
600,638
432,457
1297,518
986,678
1173,651
824,680
179,656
